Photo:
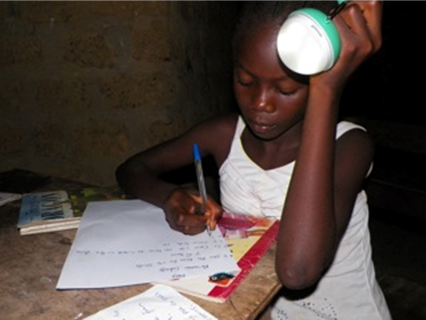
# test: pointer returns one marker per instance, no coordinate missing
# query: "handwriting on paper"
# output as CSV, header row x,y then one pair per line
x,y
126,242
175,260
158,303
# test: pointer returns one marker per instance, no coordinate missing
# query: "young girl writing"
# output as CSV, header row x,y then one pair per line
x,y
285,156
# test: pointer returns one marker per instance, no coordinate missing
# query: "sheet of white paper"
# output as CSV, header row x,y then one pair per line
x,y
157,303
128,242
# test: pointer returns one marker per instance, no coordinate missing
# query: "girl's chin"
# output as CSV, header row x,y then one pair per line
x,y
263,132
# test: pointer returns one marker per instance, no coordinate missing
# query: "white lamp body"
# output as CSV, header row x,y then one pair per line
x,y
305,45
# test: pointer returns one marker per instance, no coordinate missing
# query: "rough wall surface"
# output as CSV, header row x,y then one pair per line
x,y
83,85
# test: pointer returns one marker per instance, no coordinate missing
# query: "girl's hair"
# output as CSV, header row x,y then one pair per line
x,y
256,13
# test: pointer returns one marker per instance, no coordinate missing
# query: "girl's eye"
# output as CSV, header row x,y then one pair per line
x,y
243,78
243,81
286,92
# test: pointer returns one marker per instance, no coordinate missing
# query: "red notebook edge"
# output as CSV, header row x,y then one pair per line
x,y
247,262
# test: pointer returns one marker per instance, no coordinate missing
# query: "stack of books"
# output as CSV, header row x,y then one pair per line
x,y
58,209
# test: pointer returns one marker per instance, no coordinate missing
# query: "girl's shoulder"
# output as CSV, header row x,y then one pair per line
x,y
218,133
353,135
354,149
224,124
345,126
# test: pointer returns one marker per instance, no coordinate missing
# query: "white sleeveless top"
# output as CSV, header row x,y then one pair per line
x,y
349,289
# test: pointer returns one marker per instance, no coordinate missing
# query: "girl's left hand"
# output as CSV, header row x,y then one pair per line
x,y
359,26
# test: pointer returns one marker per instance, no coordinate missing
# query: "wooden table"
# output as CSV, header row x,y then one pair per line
x,y
30,267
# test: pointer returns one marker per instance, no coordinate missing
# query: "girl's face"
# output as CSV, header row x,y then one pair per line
x,y
270,101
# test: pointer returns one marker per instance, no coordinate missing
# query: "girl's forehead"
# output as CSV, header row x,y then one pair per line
x,y
265,35
257,54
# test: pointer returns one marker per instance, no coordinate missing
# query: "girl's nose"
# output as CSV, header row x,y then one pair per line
x,y
262,101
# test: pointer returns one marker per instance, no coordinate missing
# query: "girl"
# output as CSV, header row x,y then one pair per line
x,y
286,156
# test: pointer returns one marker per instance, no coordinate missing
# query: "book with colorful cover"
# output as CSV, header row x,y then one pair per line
x,y
248,239
58,209
42,210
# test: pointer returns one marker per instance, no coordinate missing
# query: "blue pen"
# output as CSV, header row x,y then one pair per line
x,y
200,180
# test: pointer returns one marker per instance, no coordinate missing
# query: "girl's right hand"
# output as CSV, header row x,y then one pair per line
x,y
359,26
182,208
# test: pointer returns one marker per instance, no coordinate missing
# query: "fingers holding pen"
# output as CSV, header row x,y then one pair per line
x,y
183,209
213,211
180,209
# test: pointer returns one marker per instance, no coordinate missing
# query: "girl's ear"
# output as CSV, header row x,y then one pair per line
x,y
372,12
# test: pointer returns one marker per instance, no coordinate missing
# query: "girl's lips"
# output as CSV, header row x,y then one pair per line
x,y
260,127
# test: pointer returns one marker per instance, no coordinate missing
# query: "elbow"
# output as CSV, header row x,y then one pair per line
x,y
124,174
119,174
297,277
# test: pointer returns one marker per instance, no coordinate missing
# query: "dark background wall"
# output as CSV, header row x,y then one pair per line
x,y
83,85
390,85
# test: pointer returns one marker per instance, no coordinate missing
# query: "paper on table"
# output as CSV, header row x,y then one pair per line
x,y
159,302
128,242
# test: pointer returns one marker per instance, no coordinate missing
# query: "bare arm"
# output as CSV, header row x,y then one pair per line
x,y
328,175
139,175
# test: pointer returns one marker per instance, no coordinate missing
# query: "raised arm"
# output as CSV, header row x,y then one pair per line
x,y
328,175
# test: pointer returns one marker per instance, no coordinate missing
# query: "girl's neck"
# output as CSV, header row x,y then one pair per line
x,y
271,154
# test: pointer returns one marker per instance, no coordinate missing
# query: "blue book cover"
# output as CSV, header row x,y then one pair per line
x,y
44,208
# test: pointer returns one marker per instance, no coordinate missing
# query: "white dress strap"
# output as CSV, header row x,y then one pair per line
x,y
345,126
